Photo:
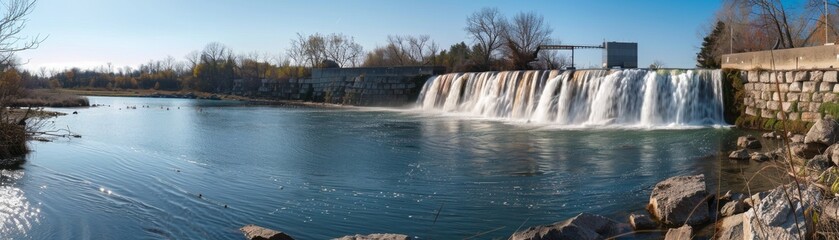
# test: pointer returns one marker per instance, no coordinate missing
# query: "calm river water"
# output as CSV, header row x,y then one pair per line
x,y
318,173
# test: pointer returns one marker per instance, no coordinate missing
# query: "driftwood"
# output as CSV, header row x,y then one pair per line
x,y
63,133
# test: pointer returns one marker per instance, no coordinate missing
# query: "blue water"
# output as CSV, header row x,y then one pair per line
x,y
323,173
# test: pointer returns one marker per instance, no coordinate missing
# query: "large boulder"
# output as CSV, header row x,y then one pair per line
x,y
733,208
824,132
730,228
682,233
254,232
780,214
753,144
744,141
741,154
376,236
680,200
759,157
754,199
797,138
641,221
583,226
818,163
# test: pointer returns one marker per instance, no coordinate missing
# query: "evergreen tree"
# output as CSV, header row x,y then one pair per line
x,y
708,57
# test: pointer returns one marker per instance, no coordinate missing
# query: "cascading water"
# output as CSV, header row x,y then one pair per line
x,y
632,97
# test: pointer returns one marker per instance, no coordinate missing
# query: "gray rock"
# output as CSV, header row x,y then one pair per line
x,y
759,157
254,232
829,76
818,163
797,138
729,196
376,236
769,135
730,228
583,226
741,154
833,154
828,152
743,141
680,200
830,212
755,198
753,144
801,76
641,221
780,214
807,150
682,233
824,131
732,208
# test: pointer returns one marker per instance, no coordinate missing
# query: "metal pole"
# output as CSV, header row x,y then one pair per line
x,y
731,39
825,23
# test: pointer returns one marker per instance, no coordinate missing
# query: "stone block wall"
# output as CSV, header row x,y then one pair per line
x,y
792,95
392,86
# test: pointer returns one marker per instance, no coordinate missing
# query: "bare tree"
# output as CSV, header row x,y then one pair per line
x,y
772,20
13,127
657,64
550,60
404,50
525,33
12,24
486,29
307,50
194,58
215,52
342,49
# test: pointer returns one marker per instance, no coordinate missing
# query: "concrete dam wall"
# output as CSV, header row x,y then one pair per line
x,y
385,86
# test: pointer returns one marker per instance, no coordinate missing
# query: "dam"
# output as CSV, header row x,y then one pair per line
x,y
582,98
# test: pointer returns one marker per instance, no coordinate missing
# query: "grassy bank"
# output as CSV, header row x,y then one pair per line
x,y
49,98
138,93
147,93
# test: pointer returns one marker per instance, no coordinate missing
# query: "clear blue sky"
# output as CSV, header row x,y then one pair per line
x,y
89,33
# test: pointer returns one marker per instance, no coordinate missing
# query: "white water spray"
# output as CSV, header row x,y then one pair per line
x,y
632,97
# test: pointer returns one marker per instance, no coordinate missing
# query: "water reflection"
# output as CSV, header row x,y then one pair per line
x,y
16,212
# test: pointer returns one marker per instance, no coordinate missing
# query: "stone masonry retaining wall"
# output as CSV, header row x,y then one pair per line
x,y
799,94
368,86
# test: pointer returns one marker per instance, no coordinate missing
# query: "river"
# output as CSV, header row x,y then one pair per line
x,y
201,169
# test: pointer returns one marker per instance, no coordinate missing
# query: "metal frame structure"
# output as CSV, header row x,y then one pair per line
x,y
565,47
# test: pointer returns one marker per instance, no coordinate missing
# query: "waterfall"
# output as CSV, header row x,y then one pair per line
x,y
629,97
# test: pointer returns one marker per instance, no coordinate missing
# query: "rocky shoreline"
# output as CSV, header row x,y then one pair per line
x,y
803,205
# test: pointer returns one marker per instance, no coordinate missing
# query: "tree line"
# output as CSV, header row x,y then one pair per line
x,y
755,25
495,43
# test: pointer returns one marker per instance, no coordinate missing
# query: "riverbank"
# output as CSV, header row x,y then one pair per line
x,y
198,95
49,98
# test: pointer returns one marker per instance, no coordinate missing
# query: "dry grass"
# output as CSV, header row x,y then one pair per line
x,y
48,98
